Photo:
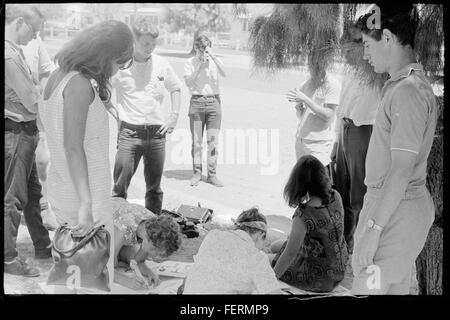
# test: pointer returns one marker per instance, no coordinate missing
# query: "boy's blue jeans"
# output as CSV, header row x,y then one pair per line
x,y
205,111
135,142
22,191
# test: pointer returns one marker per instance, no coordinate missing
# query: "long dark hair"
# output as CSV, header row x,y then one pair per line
x,y
308,176
93,50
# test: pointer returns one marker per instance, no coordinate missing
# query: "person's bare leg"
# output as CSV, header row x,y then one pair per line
x,y
275,247
127,253
42,164
271,257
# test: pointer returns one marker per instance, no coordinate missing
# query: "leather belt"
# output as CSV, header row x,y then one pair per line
x,y
143,127
29,127
196,96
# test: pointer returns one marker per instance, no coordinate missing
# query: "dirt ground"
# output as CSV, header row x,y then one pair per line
x,y
15,285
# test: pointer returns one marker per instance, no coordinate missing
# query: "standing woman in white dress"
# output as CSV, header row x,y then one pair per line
x,y
76,122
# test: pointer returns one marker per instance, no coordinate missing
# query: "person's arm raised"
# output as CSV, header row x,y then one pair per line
x,y
218,62
78,95
326,112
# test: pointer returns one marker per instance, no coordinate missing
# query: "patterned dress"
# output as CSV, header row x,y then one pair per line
x,y
321,261
127,217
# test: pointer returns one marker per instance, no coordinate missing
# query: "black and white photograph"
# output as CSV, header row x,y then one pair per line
x,y
259,149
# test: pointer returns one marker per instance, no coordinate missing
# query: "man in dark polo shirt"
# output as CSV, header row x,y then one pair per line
x,y
22,190
398,210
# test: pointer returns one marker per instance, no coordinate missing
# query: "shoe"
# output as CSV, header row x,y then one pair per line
x,y
196,178
20,268
49,220
214,181
43,253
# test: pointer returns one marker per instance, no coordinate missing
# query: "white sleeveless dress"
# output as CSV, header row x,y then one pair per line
x,y
62,195
61,191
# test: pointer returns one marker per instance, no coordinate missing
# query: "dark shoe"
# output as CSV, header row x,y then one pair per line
x,y
43,253
20,268
214,181
196,178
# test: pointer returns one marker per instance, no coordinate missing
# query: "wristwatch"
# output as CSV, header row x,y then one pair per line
x,y
372,225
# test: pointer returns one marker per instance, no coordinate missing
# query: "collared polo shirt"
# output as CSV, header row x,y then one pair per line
x,y
21,94
405,122
140,91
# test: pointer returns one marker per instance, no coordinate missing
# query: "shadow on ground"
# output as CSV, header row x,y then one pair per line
x,y
178,174
183,55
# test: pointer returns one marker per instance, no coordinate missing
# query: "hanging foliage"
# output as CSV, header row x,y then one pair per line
x,y
286,38
292,33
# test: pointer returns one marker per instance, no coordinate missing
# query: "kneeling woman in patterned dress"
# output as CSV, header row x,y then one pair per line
x,y
314,256
139,234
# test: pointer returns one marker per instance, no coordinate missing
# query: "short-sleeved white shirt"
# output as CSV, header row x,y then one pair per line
x,y
37,57
229,263
311,126
207,82
358,101
140,90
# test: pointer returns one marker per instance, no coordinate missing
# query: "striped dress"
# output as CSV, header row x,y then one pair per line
x,y
62,195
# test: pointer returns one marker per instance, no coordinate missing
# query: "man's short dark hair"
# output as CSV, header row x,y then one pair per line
x,y
143,27
400,19
28,12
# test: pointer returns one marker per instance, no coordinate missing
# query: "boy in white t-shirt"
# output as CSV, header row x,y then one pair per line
x,y
140,92
201,74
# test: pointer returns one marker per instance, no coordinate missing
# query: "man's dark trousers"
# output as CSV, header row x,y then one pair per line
x,y
350,172
22,188
135,142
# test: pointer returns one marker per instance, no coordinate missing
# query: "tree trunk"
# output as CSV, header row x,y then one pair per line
x,y
429,262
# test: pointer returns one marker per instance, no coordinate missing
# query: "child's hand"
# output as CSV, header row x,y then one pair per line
x,y
153,278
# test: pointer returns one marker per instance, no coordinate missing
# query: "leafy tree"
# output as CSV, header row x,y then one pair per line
x,y
192,17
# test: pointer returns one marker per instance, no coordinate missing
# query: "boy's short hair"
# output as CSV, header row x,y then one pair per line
x,y
143,27
400,19
26,11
